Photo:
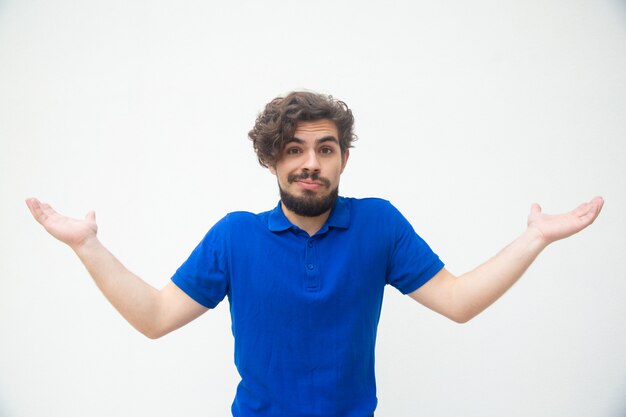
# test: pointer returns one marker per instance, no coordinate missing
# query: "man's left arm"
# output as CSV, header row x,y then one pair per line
x,y
462,298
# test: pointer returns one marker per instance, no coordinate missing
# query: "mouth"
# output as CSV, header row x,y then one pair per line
x,y
309,184
309,181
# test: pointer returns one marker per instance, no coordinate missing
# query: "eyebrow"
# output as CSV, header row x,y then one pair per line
x,y
329,138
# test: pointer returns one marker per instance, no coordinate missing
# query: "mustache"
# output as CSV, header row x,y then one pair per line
x,y
305,176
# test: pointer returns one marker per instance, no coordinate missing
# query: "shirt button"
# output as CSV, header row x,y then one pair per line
x,y
310,244
310,266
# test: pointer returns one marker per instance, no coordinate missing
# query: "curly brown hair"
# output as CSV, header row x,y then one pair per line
x,y
275,126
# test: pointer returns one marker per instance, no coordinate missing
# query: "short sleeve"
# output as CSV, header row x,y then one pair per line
x,y
204,275
412,262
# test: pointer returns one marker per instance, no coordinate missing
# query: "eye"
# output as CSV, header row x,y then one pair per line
x,y
326,150
292,151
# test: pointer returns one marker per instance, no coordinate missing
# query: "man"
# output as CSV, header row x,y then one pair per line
x,y
305,280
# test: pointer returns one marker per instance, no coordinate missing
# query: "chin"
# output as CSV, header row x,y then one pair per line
x,y
309,203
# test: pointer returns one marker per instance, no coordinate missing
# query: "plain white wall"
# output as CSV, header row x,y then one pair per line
x,y
467,112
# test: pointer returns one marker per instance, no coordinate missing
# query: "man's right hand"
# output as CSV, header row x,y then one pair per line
x,y
153,312
73,232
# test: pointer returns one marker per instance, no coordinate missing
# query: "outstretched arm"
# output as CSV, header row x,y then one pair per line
x,y
461,298
153,312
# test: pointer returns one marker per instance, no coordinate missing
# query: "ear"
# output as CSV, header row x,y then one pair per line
x,y
344,159
272,169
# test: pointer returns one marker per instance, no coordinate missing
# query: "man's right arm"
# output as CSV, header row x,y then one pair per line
x,y
153,312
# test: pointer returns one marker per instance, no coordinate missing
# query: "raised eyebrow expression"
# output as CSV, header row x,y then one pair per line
x,y
318,142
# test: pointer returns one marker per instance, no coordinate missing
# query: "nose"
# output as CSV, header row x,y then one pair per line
x,y
311,162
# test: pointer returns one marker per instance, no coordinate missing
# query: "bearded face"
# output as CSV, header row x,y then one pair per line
x,y
309,168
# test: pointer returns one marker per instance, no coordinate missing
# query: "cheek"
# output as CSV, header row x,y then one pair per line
x,y
281,176
338,169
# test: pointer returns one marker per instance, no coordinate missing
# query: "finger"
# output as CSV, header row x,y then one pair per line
x,y
535,208
30,203
588,212
91,216
43,212
34,206
582,210
595,206
48,211
599,201
591,207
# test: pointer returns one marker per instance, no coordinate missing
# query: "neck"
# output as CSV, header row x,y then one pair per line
x,y
311,225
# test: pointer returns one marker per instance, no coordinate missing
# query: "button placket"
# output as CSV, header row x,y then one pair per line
x,y
312,270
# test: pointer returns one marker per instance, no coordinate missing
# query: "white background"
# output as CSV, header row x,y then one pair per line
x,y
467,112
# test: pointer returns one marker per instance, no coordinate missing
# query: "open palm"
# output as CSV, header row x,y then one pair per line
x,y
559,226
73,232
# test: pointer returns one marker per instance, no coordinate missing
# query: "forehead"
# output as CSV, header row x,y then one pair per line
x,y
315,128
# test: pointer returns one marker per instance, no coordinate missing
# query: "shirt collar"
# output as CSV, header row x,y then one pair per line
x,y
339,217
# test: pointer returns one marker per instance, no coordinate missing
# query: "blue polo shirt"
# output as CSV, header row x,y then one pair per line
x,y
305,309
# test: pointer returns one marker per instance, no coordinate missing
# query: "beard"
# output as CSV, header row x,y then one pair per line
x,y
309,204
